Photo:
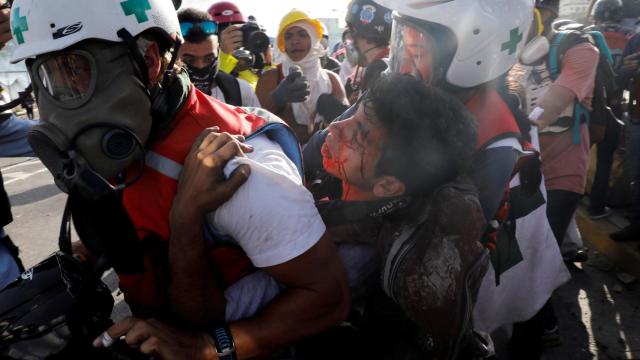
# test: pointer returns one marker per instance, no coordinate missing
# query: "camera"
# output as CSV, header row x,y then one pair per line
x,y
254,37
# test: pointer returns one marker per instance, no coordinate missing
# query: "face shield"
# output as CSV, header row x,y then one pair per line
x,y
411,51
422,49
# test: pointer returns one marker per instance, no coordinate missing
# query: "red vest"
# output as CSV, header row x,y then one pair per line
x,y
148,201
493,117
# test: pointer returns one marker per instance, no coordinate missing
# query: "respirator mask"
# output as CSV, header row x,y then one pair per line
x,y
95,115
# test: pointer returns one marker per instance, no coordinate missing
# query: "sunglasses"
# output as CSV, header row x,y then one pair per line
x,y
207,27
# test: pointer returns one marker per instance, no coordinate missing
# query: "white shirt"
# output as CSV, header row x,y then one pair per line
x,y
248,95
272,216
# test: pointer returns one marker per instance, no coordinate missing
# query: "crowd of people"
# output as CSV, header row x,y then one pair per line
x,y
414,187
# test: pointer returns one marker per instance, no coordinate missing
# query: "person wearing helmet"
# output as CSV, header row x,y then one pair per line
x,y
370,27
291,90
466,47
200,55
133,142
226,13
607,16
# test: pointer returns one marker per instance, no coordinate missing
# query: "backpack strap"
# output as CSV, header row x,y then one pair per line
x,y
561,43
284,136
230,87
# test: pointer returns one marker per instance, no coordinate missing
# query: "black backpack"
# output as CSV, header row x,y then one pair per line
x,y
230,88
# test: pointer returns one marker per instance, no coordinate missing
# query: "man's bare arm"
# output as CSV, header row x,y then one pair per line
x,y
316,297
195,294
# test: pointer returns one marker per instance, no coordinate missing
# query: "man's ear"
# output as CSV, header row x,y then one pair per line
x,y
153,61
388,186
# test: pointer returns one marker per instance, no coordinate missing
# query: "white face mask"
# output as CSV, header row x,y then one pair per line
x,y
534,50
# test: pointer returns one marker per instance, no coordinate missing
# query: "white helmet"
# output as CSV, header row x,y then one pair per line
x,y
484,37
40,27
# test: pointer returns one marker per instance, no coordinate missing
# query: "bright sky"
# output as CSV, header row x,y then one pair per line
x,y
269,12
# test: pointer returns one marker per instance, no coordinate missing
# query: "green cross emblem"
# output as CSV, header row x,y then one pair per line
x,y
515,36
138,8
19,25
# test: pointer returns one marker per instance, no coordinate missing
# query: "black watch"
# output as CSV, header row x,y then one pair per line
x,y
225,347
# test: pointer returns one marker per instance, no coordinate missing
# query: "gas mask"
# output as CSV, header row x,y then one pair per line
x,y
95,115
202,78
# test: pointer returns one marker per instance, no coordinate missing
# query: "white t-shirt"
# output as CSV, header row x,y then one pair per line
x,y
272,216
248,95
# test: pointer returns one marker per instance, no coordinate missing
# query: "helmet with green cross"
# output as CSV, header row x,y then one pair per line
x,y
463,43
40,27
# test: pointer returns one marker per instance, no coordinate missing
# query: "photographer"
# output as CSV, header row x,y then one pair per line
x,y
235,34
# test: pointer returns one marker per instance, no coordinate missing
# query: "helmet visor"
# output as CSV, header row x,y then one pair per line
x,y
411,50
69,77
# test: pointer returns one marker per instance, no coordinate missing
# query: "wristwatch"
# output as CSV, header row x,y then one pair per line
x,y
225,347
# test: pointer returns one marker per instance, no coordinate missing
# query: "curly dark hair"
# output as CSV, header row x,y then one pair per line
x,y
196,34
430,135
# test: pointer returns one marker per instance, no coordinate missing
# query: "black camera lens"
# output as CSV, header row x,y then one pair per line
x,y
254,38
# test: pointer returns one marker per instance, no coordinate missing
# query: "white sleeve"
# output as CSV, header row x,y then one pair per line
x,y
249,98
272,216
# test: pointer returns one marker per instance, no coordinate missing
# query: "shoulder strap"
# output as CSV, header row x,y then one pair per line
x,y
562,41
284,136
230,87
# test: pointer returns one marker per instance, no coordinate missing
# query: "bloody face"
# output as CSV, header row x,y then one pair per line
x,y
351,152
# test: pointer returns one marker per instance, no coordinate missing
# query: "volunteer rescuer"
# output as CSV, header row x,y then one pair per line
x,y
436,44
111,102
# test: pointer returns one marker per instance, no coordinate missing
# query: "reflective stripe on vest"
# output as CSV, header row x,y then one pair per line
x,y
163,165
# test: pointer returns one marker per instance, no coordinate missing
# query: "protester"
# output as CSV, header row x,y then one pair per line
x,y
292,89
146,106
200,52
369,25
607,15
629,78
427,220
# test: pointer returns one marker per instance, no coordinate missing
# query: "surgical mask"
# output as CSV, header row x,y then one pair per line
x,y
202,78
95,115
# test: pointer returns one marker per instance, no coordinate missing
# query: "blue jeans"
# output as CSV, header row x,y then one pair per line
x,y
633,168
605,152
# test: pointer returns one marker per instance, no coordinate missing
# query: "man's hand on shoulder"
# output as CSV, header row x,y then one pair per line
x,y
202,186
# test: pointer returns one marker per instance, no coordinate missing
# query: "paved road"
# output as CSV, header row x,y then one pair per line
x,y
599,315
